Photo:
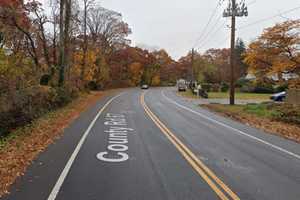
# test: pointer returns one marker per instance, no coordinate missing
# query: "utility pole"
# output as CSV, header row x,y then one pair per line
x,y
192,65
234,10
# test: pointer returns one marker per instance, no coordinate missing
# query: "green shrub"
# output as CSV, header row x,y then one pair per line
x,y
262,110
281,88
206,87
241,82
264,88
224,87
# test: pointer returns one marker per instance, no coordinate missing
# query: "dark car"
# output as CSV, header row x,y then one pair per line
x,y
278,96
145,87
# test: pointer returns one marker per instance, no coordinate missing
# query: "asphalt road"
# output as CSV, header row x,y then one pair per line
x,y
155,145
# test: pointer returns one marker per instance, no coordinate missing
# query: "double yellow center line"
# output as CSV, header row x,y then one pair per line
x,y
218,186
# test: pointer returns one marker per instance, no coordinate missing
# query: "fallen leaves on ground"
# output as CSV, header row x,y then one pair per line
x,y
24,144
288,131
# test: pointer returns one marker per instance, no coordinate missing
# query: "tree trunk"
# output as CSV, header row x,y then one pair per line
x,y
61,44
85,45
67,34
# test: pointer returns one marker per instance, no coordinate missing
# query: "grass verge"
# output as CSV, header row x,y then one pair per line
x,y
279,119
188,93
22,146
225,95
242,96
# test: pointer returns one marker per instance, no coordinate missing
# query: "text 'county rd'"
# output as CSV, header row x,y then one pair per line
x,y
118,139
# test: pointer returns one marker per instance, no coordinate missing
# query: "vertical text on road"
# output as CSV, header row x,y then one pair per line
x,y
118,139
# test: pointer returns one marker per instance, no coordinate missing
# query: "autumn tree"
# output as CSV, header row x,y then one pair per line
x,y
276,50
209,67
86,6
204,70
15,20
164,60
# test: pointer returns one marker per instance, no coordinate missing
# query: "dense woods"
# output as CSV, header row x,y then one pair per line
x,y
48,58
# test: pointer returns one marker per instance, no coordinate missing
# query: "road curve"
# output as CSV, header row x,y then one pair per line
x,y
156,145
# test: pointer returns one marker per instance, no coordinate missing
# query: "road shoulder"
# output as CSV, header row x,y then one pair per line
x,y
23,148
254,113
282,129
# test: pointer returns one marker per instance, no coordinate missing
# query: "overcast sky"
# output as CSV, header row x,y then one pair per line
x,y
175,25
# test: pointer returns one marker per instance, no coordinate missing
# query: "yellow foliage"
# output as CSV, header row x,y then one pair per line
x,y
89,68
136,72
156,80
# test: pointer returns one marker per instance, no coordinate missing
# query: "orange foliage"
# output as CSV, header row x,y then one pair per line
x,y
276,50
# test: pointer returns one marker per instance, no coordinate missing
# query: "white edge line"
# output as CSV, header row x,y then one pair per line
x,y
68,166
234,129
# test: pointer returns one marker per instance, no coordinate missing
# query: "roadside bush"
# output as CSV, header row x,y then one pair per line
x,y
215,88
206,87
287,112
22,107
28,104
281,88
262,110
224,87
263,88
247,86
242,82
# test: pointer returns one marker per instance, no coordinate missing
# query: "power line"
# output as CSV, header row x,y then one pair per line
x,y
208,23
211,34
221,42
259,21
269,18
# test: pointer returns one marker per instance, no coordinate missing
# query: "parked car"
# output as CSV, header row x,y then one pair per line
x,y
278,96
145,86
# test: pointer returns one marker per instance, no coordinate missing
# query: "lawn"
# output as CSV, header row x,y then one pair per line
x,y
188,94
238,95
258,110
225,95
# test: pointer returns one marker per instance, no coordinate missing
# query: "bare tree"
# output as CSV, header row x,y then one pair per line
x,y
40,19
107,28
86,6
54,19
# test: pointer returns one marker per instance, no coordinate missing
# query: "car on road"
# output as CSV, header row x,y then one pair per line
x,y
181,85
145,86
278,96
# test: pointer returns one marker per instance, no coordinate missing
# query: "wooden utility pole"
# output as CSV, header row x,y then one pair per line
x,y
234,10
192,65
232,55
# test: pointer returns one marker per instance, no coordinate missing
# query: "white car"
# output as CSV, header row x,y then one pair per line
x,y
145,87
